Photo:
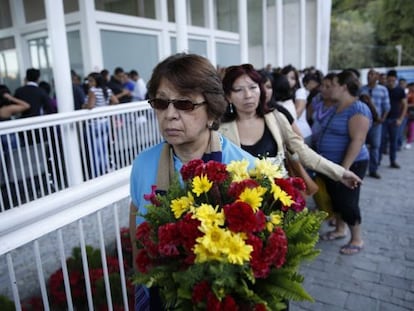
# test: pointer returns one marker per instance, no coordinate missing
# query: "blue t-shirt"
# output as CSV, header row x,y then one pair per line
x,y
145,167
334,139
380,97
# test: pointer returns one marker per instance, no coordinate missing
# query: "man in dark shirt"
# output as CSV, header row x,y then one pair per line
x,y
78,93
33,95
395,116
116,85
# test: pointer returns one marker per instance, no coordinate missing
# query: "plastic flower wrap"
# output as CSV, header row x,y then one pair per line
x,y
224,237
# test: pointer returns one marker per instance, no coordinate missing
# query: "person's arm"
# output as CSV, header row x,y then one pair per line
x,y
113,100
91,101
311,159
17,106
358,127
403,105
132,231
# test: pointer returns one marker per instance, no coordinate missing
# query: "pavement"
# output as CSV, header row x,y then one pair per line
x,y
381,276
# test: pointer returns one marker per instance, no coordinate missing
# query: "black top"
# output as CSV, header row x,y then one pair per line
x,y
265,147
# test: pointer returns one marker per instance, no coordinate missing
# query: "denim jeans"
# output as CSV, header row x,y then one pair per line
x,y
100,141
391,129
374,142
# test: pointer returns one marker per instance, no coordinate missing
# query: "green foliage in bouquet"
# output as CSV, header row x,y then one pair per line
x,y
227,238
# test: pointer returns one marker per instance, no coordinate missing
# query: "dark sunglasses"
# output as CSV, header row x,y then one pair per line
x,y
180,104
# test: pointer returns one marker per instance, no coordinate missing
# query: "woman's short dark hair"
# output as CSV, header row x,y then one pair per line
x,y
189,74
349,78
232,73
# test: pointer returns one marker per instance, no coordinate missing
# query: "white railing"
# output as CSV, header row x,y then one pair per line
x,y
43,155
37,239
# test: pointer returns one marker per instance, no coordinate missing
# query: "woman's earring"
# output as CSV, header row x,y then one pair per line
x,y
231,110
210,125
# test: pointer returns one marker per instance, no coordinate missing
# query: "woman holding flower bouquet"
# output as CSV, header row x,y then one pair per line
x,y
263,132
186,94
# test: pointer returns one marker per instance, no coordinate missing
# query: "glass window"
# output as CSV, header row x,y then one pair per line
x,y
41,55
255,30
130,51
227,54
9,67
70,6
171,11
34,10
5,15
197,13
226,15
142,8
197,47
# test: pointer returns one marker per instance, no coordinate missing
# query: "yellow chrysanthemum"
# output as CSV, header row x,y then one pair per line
x,y
279,194
253,197
238,252
181,205
238,169
204,254
273,220
208,215
265,167
213,243
201,185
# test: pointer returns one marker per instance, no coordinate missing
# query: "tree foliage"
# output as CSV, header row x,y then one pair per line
x,y
366,33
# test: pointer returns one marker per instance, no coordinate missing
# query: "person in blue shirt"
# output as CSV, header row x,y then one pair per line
x,y
342,140
187,96
380,98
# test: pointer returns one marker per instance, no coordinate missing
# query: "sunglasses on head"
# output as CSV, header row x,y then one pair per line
x,y
180,104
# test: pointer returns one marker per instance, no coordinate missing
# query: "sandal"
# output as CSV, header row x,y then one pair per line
x,y
332,235
351,249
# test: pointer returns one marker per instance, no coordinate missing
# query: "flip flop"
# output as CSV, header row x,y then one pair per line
x,y
350,249
331,236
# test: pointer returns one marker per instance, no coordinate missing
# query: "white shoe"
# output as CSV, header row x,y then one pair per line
x,y
407,146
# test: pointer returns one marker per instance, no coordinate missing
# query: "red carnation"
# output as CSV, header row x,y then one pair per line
x,y
213,304
236,188
152,197
188,170
143,261
188,230
200,291
215,171
229,304
169,239
240,217
260,221
276,247
260,307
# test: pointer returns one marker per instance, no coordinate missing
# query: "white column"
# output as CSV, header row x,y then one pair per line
x,y
243,24
279,33
181,23
302,21
90,37
211,45
165,42
63,86
323,28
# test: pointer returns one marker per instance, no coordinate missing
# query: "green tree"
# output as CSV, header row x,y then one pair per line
x,y
394,26
366,33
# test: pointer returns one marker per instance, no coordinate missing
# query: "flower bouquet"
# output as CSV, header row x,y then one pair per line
x,y
224,237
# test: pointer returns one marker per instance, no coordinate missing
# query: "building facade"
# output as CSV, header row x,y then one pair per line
x,y
90,35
